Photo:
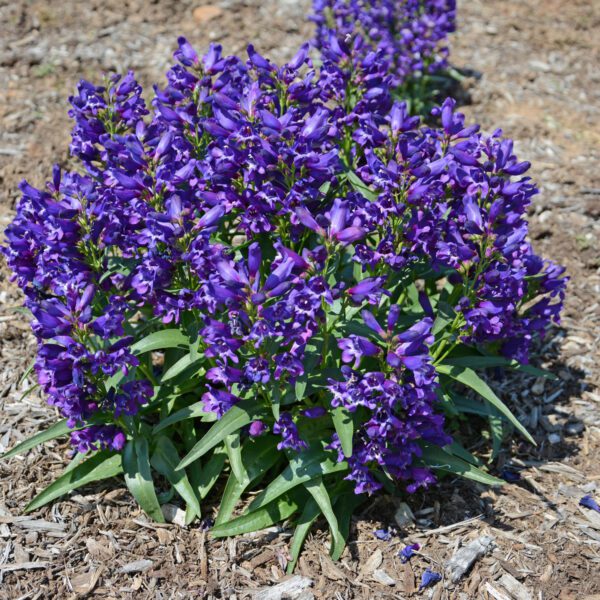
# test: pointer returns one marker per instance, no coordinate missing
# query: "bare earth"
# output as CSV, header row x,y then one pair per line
x,y
533,69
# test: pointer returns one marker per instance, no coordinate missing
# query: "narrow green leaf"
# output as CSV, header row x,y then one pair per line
x,y
102,465
303,467
28,370
344,427
300,387
316,488
180,366
234,453
361,187
486,362
309,514
138,477
278,510
457,449
204,478
55,431
194,411
345,505
236,417
469,378
258,456
437,458
165,460
445,316
160,340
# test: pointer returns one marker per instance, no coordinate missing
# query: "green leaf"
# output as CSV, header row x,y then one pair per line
x,y
204,478
345,505
234,453
55,431
458,450
258,456
316,488
278,510
344,427
361,187
303,467
300,386
26,373
102,465
165,460
194,411
469,378
445,316
437,458
307,518
138,477
485,362
180,366
160,340
236,417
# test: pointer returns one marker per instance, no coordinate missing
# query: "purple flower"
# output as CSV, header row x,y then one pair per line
x,y
257,428
383,534
429,579
407,552
590,503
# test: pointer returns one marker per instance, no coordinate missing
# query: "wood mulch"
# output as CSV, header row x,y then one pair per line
x,y
532,67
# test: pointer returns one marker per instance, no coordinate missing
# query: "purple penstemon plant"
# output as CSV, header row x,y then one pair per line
x,y
275,273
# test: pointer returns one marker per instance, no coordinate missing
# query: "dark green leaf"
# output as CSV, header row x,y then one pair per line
x,y
138,477
316,488
160,340
180,366
309,514
194,411
361,187
204,478
57,430
165,460
102,465
234,453
344,427
235,418
278,510
469,378
303,467
437,458
486,362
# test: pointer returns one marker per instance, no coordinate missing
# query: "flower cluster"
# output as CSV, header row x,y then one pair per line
x,y
407,38
280,257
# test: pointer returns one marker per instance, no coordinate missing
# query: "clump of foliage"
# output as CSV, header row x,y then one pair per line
x,y
278,274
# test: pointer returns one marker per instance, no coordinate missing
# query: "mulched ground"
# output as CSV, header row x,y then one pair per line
x,y
532,67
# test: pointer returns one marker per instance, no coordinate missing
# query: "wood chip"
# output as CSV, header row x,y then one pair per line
x,y
516,589
463,559
290,588
136,566
382,577
373,562
25,566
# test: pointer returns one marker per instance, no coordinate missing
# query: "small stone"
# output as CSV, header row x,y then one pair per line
x,y
291,588
554,438
173,514
575,428
551,423
136,566
538,387
464,557
382,577
404,515
204,14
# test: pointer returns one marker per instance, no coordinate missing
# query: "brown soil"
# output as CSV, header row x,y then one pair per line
x,y
533,69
